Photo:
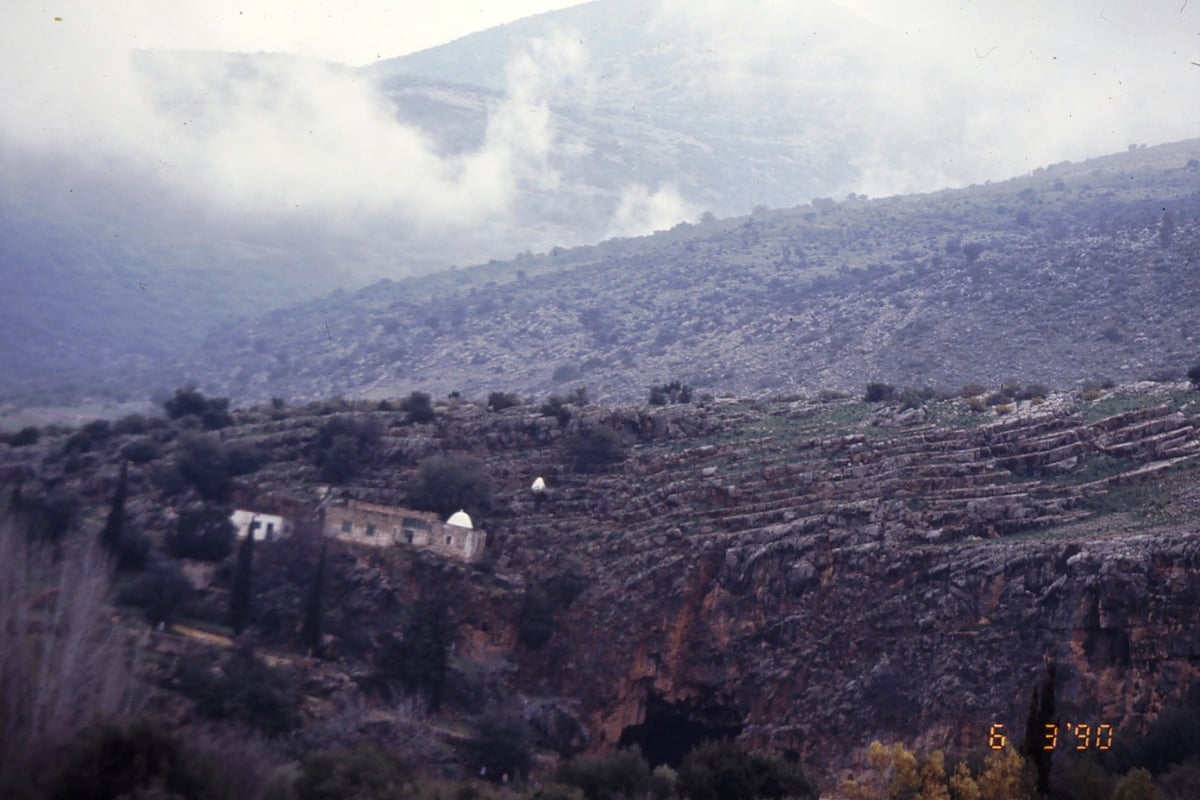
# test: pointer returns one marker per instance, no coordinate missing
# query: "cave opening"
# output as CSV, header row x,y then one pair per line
x,y
672,730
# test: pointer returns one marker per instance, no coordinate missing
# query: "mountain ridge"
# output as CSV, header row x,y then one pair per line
x,y
1074,272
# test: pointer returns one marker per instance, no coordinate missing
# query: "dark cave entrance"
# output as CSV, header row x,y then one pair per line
x,y
671,730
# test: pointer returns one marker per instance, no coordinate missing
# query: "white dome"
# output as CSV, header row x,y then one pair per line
x,y
539,485
460,519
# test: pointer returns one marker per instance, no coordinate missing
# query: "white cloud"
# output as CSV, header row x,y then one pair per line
x,y
641,211
267,134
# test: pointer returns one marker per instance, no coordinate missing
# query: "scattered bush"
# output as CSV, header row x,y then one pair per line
x,y
595,448
624,773
130,425
417,660
419,407
673,392
244,690
1032,391
535,621
141,451
498,401
159,591
556,407
502,745
446,483
725,771
343,444
213,413
879,392
971,390
136,761
200,461
26,436
915,398
1194,376
971,251
202,532
50,516
243,460
359,774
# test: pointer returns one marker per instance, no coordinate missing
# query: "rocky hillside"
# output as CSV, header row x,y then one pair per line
x,y
1074,272
804,575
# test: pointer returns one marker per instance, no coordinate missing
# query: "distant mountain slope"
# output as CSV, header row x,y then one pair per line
x,y
178,192
1079,271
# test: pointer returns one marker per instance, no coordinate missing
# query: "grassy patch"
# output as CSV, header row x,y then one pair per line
x,y
1093,468
1117,404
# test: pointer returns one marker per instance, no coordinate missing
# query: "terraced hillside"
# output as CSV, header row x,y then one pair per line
x,y
807,575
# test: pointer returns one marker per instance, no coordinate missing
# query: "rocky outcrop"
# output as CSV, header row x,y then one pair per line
x,y
796,573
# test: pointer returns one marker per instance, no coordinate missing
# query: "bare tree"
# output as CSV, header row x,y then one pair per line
x,y
63,663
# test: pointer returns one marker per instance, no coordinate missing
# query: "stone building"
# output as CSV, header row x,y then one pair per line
x,y
382,526
265,527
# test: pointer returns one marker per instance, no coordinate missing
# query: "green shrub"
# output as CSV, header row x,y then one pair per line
x,y
1194,376
24,437
672,392
498,401
140,760
726,771
624,773
502,745
419,407
130,424
417,660
343,444
879,392
213,413
202,532
1032,391
141,451
340,462
364,773
245,690
556,407
595,448
535,620
243,459
159,592
201,462
446,483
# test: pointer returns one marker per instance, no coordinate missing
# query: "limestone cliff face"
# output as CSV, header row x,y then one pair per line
x,y
805,645
812,593
805,575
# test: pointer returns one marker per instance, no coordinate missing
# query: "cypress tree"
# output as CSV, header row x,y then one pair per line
x,y
1040,729
239,603
114,526
310,632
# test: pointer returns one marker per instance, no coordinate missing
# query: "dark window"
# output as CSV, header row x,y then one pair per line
x,y
449,539
346,526
270,529
370,530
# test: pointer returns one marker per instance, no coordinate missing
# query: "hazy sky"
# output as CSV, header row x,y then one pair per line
x,y
351,32
1005,86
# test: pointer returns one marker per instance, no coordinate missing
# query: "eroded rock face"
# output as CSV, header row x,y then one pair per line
x,y
791,573
822,647
813,594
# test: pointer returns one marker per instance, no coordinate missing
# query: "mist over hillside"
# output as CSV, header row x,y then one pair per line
x,y
1077,272
152,198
